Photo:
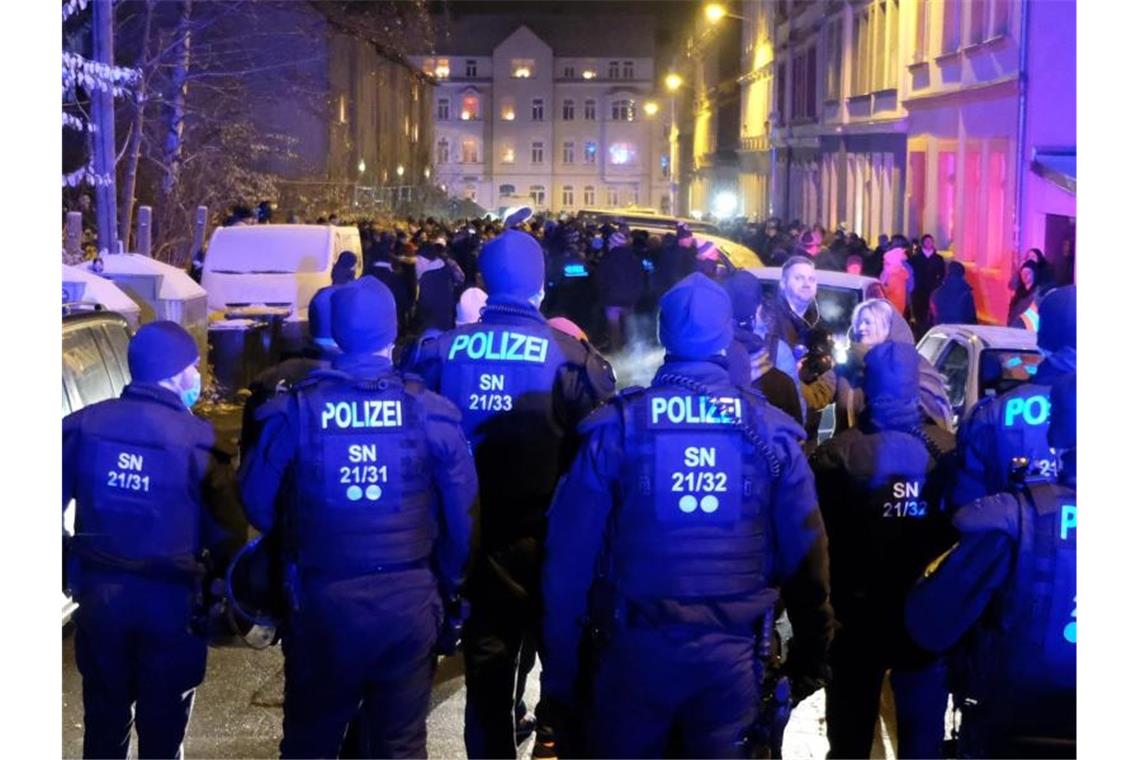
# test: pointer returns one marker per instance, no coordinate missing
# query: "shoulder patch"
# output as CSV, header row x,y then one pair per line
x,y
998,512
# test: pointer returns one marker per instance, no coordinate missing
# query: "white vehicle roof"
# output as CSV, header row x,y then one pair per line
x,y
822,277
991,336
270,249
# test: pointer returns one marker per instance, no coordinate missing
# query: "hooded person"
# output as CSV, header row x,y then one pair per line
x,y
756,352
882,489
153,491
952,302
522,387
873,322
1015,424
359,469
693,579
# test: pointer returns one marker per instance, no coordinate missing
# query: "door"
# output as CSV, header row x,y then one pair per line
x,y
1061,247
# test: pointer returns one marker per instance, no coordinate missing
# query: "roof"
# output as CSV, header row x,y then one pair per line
x,y
570,36
992,336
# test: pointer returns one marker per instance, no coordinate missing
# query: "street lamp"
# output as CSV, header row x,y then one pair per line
x,y
400,170
360,167
714,12
427,173
673,82
651,108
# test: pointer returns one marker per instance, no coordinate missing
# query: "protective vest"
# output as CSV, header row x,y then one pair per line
x,y
693,521
138,504
1022,431
502,376
1024,663
363,496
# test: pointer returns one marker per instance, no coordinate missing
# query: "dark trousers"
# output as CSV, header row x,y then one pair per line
x,y
133,647
658,690
492,644
361,644
858,665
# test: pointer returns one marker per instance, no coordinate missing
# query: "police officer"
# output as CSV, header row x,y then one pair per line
x,y
1007,590
882,487
689,504
1015,424
377,509
523,387
151,493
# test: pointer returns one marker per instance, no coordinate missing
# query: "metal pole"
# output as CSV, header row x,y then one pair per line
x,y
73,239
103,108
199,231
142,234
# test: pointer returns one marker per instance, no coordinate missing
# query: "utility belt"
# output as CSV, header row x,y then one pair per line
x,y
186,569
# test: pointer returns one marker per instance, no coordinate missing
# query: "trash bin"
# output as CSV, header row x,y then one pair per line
x,y
239,350
277,343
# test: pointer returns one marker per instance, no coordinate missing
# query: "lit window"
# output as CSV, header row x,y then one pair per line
x,y
621,110
568,152
664,167
522,68
590,110
442,68
507,109
591,152
469,192
537,109
623,153
536,153
508,154
470,151
470,107
589,74
342,109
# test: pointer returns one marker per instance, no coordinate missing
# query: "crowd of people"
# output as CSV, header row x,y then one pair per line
x,y
451,467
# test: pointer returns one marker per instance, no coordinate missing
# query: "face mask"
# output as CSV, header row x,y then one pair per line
x,y
191,394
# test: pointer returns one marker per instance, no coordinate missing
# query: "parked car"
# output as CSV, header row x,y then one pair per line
x,y
636,217
94,369
980,360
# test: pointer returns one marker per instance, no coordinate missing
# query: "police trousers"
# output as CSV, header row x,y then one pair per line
x,y
859,662
656,691
134,649
361,644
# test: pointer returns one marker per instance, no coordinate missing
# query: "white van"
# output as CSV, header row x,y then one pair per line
x,y
274,266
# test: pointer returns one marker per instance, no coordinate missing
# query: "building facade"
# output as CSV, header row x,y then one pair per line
x,y
946,117
550,127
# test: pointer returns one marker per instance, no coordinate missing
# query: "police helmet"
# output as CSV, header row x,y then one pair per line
x,y
255,593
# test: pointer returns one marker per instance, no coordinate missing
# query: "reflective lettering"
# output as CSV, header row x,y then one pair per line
x,y
700,456
500,346
362,414
906,490
359,453
699,410
491,383
130,461
1068,520
1034,410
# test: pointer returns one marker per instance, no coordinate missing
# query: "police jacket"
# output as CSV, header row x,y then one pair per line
x,y
1007,591
372,470
1014,424
682,514
151,488
522,387
882,492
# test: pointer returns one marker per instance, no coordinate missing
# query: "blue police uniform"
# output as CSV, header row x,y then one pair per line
x,y
689,504
1007,591
151,493
522,387
882,490
371,483
1015,423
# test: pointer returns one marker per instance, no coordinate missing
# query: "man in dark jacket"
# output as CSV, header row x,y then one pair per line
x,y
689,504
439,281
618,279
882,491
1015,423
1007,592
151,491
952,302
929,268
384,270
523,387
676,260
369,479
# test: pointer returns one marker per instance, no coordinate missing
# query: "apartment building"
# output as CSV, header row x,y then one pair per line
x,y
557,114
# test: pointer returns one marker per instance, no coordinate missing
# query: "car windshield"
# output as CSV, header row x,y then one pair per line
x,y
836,305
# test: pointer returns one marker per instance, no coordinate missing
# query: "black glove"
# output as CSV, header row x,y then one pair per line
x,y
455,611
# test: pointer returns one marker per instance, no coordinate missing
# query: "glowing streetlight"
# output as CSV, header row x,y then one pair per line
x,y
400,170
673,82
427,173
651,108
714,12
360,167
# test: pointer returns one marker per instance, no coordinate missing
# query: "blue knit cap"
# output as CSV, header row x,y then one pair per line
x,y
512,265
160,350
696,318
1058,326
320,313
363,316
891,372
